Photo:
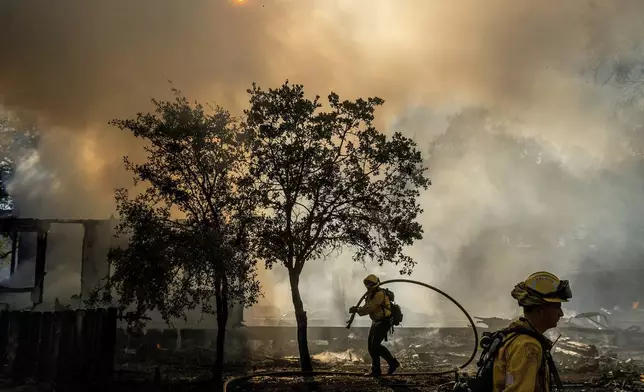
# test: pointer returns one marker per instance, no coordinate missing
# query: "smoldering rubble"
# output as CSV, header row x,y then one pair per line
x,y
588,349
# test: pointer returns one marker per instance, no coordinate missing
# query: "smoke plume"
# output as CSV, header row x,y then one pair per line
x,y
546,71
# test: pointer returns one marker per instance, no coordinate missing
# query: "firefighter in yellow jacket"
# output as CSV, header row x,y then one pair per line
x,y
520,365
378,307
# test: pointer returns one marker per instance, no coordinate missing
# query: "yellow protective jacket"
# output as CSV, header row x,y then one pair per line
x,y
378,306
520,365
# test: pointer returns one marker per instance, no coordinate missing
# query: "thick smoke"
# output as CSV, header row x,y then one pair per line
x,y
547,70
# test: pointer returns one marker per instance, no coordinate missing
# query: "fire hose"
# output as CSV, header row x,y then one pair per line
x,y
453,370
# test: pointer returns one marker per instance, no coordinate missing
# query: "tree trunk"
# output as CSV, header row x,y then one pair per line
x,y
300,316
221,300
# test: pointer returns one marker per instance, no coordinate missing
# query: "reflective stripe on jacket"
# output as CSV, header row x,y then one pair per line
x,y
520,365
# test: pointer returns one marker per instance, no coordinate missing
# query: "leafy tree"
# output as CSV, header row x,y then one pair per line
x,y
329,180
173,265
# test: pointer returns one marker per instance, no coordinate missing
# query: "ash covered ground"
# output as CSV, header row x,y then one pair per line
x,y
591,356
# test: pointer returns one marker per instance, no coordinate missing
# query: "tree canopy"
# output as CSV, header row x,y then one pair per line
x,y
189,228
329,180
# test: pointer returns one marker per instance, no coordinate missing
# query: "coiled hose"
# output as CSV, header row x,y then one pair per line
x,y
292,373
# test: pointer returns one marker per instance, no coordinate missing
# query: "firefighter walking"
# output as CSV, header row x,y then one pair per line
x,y
378,307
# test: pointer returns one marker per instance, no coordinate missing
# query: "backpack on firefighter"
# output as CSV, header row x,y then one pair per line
x,y
396,311
491,343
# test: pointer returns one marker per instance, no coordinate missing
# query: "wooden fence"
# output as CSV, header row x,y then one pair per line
x,y
66,346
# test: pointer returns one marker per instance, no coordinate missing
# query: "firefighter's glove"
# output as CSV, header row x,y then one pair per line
x,y
353,309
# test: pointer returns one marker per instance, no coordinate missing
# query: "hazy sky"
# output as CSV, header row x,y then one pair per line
x,y
73,65
77,65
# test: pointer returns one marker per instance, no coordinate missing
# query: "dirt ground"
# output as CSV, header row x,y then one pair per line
x,y
587,363
173,379
195,379
574,382
344,383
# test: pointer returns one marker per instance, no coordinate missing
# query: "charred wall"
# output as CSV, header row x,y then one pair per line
x,y
88,264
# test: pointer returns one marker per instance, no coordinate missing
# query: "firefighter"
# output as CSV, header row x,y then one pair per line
x,y
521,365
378,307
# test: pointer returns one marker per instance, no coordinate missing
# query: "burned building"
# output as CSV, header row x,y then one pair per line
x,y
31,250
29,240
